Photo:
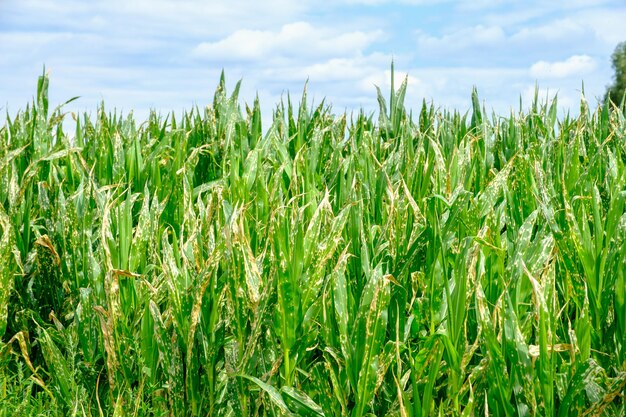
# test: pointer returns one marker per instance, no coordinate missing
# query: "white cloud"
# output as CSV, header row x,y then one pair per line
x,y
331,70
480,5
462,38
606,24
584,3
382,79
557,30
576,65
565,98
499,87
407,2
293,39
153,17
168,55
513,17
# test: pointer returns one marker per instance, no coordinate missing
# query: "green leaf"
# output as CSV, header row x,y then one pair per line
x,y
273,394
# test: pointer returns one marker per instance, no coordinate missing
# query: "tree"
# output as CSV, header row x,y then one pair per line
x,y
615,92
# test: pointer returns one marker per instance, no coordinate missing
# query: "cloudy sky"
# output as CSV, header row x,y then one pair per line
x,y
167,55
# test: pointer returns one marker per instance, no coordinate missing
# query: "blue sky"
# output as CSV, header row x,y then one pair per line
x,y
167,55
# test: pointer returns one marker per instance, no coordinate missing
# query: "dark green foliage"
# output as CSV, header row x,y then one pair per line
x,y
615,92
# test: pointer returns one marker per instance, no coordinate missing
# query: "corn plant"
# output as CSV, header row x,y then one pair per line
x,y
400,264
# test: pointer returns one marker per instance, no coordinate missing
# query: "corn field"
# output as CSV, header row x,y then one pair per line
x,y
399,264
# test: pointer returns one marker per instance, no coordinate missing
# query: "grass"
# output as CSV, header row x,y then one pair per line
x,y
435,263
